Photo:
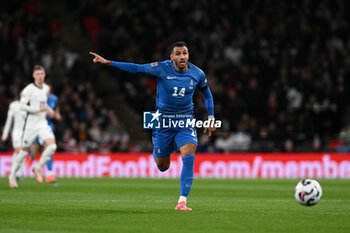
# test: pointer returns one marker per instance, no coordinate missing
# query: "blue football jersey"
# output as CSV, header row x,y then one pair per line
x,y
52,102
175,89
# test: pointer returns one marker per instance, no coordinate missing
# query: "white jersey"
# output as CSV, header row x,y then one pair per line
x,y
15,120
32,99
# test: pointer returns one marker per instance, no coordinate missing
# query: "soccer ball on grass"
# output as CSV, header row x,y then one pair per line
x,y
308,192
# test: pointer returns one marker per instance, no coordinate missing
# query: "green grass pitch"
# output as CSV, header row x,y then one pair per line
x,y
147,205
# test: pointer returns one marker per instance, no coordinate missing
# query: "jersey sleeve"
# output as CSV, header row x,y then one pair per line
x,y
25,97
208,97
202,80
56,102
8,123
153,69
46,88
209,102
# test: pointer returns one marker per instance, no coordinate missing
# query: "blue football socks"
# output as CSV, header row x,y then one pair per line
x,y
49,165
186,178
31,155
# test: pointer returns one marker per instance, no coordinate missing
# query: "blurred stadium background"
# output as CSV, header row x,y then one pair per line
x,y
279,71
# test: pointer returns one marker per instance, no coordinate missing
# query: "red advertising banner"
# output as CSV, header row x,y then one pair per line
x,y
234,165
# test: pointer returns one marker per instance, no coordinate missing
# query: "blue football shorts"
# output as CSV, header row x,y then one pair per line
x,y
169,140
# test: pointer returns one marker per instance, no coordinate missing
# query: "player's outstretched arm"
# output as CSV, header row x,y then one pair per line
x,y
124,66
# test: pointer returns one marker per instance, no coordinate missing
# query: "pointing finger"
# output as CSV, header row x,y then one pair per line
x,y
94,54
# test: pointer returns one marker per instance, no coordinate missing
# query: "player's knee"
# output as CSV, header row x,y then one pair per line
x,y
52,147
18,149
188,149
26,149
162,169
163,166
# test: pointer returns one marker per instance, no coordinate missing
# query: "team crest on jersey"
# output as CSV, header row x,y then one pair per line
x,y
191,84
153,64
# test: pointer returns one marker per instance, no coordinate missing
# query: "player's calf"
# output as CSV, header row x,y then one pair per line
x,y
17,160
46,156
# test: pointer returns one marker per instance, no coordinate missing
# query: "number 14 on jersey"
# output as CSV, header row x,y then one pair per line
x,y
181,92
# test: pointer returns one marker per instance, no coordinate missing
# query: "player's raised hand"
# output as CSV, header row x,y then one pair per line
x,y
99,59
57,116
210,129
50,112
42,108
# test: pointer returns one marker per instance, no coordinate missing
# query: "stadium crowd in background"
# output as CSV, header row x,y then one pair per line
x,y
279,71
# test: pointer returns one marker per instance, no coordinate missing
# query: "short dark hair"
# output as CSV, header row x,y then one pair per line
x,y
177,44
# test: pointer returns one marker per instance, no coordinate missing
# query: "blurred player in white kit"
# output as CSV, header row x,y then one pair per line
x,y
34,103
14,123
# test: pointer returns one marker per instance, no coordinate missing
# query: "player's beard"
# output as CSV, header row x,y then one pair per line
x,y
181,67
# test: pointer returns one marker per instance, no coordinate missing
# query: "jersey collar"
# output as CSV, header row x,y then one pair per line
x,y
38,86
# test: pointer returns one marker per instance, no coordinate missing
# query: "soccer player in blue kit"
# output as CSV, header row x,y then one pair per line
x,y
176,82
